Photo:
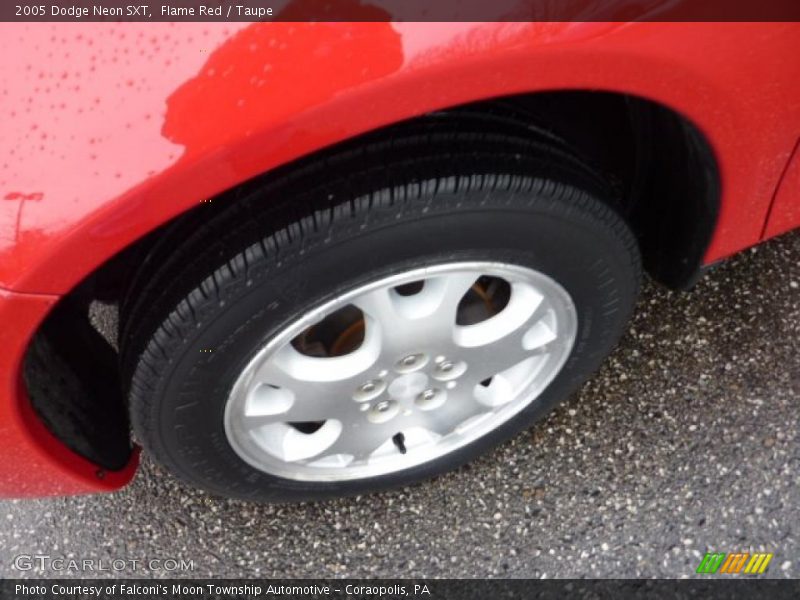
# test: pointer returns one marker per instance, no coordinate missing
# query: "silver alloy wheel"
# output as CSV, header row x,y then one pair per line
x,y
418,386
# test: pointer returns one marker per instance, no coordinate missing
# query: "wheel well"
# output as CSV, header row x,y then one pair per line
x,y
661,167
661,172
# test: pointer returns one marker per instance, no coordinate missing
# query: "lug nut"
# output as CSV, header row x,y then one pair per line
x,y
383,411
369,390
430,399
410,363
449,369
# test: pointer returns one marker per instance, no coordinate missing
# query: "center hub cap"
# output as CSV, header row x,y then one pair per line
x,y
408,386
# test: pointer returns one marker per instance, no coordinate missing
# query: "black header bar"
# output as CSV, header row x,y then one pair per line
x,y
400,10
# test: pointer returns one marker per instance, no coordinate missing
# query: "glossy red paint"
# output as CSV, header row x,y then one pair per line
x,y
115,128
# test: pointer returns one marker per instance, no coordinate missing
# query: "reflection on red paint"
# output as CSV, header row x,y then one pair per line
x,y
23,196
252,79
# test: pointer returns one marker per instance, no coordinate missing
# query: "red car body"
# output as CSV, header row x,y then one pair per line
x,y
110,130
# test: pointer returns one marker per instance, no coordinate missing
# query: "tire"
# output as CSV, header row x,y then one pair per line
x,y
439,194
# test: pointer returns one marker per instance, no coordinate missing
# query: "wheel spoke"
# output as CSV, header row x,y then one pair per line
x,y
524,328
524,305
290,368
459,407
290,444
379,310
487,361
320,407
444,292
294,387
428,316
361,439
